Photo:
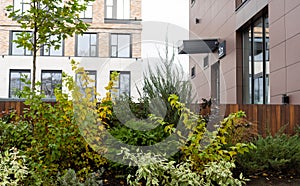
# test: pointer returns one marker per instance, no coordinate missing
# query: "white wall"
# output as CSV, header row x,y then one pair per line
x,y
103,66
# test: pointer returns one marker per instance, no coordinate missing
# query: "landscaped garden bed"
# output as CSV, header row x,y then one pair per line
x,y
72,142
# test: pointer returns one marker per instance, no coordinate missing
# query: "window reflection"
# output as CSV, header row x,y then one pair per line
x,y
256,63
88,13
120,45
51,51
87,45
15,83
122,85
22,5
91,85
15,50
117,9
50,80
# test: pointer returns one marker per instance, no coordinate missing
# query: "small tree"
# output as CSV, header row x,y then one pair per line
x,y
46,18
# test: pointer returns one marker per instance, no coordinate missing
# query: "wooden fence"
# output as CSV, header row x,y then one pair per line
x,y
268,118
7,106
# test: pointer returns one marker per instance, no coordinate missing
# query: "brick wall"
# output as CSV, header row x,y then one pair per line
x,y
97,25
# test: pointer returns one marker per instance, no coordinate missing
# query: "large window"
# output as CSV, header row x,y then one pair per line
x,y
16,83
215,82
122,85
14,49
87,45
89,83
88,13
51,79
117,9
256,89
22,5
53,50
120,45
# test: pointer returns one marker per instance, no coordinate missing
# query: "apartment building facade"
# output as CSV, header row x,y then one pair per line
x,y
245,51
111,43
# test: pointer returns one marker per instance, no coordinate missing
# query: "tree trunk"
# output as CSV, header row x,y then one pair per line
x,y
34,52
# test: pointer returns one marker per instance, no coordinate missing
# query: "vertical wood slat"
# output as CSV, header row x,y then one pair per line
x,y
283,119
292,117
297,117
267,118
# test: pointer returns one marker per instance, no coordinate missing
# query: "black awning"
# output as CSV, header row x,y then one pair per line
x,y
198,46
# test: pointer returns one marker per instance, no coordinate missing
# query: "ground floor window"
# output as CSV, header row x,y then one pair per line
x,y
122,85
256,62
87,83
17,81
51,79
215,82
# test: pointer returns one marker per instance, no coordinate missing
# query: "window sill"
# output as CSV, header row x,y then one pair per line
x,y
122,57
87,20
122,21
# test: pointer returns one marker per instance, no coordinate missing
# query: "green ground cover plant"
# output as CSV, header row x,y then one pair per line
x,y
279,154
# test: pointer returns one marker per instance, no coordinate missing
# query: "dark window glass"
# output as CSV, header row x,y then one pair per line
x,y
117,9
193,72
87,45
205,62
193,2
215,82
256,63
122,85
15,81
51,79
120,45
14,49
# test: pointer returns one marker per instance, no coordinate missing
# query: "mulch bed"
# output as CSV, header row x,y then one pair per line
x,y
274,181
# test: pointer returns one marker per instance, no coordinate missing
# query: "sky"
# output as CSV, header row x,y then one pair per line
x,y
164,19
171,11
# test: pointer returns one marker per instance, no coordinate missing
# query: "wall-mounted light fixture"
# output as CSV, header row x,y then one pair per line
x,y
285,99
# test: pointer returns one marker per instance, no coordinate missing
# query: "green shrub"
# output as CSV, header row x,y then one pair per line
x,y
49,135
13,169
70,179
138,133
219,173
200,163
280,153
157,170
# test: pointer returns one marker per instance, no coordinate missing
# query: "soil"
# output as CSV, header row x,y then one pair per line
x,y
256,181
274,181
113,180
